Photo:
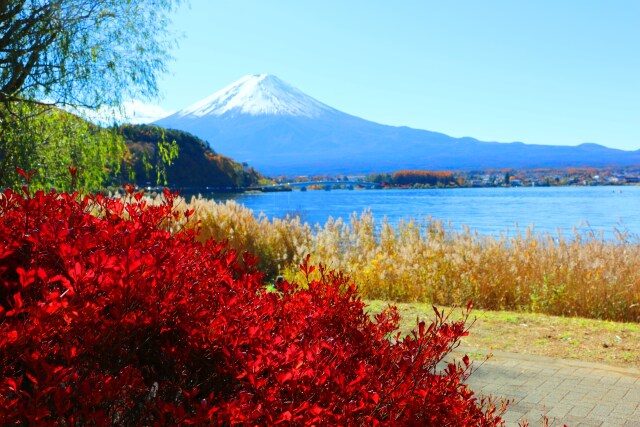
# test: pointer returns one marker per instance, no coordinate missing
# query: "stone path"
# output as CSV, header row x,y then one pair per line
x,y
571,392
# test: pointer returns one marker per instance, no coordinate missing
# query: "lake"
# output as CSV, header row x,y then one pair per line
x,y
485,210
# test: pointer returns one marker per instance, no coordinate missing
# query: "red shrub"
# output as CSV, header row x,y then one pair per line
x,y
107,319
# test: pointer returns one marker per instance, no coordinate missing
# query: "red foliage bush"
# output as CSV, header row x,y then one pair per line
x,y
106,318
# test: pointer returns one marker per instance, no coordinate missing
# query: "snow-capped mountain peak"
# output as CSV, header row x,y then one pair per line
x,y
260,94
279,130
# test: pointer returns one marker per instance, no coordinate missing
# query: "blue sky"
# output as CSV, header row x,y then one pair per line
x,y
544,72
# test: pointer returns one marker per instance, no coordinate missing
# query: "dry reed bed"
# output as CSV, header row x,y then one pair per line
x,y
584,276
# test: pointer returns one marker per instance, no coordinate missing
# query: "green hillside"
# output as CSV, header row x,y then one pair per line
x,y
197,165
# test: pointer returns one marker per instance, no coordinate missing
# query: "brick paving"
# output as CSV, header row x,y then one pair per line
x,y
568,392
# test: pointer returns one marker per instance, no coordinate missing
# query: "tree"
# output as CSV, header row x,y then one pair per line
x,y
164,154
75,53
379,178
82,52
49,141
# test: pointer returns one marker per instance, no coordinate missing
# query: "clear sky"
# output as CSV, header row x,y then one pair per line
x,y
537,71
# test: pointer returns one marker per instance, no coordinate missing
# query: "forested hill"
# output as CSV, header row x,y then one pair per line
x,y
197,165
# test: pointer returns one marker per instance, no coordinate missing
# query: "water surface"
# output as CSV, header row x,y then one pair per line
x,y
485,210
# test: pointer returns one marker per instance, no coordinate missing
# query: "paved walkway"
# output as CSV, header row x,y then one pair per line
x,y
574,393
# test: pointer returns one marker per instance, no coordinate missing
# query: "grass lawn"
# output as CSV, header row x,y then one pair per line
x,y
613,343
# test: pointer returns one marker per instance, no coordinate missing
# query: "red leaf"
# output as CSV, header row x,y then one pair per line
x,y
375,397
17,298
420,330
286,417
26,175
283,378
76,272
12,336
52,307
13,385
31,378
315,410
26,277
65,282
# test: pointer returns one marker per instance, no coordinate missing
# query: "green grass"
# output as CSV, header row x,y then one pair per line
x,y
614,343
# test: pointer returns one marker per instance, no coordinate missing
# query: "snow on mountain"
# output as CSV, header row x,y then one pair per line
x,y
279,130
258,95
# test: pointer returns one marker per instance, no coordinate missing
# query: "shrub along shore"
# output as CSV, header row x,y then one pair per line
x,y
115,296
576,275
111,314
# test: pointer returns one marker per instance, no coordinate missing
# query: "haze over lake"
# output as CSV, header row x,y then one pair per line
x,y
485,210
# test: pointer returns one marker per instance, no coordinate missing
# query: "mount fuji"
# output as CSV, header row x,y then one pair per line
x,y
279,130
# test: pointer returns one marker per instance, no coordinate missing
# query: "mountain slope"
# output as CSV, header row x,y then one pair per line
x,y
258,95
196,165
279,130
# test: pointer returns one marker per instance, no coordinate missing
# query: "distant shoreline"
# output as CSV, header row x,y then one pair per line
x,y
192,191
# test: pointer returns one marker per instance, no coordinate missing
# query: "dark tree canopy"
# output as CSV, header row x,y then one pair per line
x,y
196,166
82,52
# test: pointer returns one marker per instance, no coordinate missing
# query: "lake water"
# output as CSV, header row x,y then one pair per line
x,y
486,210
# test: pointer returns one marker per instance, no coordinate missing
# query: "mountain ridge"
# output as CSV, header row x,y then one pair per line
x,y
279,130
255,95
197,166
